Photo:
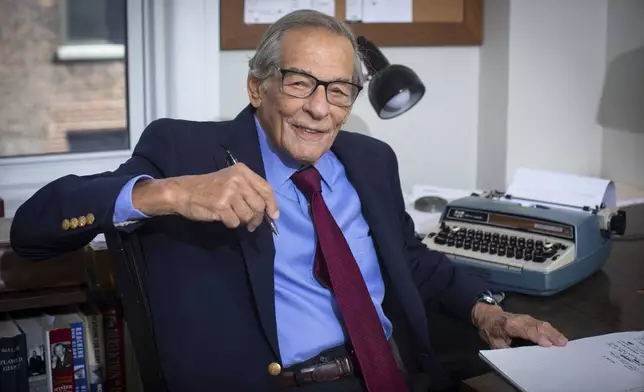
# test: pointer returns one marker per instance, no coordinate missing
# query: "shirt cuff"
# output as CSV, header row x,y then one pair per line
x,y
124,211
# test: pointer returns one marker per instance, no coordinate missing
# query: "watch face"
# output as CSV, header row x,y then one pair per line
x,y
488,300
491,298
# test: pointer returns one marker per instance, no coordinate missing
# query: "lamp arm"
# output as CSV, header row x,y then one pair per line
x,y
373,58
365,72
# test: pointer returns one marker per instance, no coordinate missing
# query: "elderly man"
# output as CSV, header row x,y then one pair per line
x,y
302,308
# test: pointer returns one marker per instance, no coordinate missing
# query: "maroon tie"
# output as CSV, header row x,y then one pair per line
x,y
376,360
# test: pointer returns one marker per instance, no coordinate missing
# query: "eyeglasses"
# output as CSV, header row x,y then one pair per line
x,y
302,85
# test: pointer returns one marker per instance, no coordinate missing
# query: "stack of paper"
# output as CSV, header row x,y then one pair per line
x,y
606,363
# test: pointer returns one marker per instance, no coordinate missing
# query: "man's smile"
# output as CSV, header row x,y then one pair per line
x,y
308,133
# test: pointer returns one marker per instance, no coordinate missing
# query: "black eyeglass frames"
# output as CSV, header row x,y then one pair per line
x,y
300,84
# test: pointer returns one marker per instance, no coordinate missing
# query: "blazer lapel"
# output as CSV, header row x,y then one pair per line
x,y
257,247
380,213
367,182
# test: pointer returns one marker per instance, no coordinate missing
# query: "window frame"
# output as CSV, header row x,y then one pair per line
x,y
68,50
20,177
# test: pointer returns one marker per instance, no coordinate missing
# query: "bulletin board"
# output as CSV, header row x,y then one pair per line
x,y
434,23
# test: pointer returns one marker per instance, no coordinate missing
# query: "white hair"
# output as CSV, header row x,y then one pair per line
x,y
267,57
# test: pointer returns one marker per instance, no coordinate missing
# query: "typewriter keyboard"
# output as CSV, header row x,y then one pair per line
x,y
492,244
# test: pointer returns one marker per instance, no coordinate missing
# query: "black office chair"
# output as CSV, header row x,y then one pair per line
x,y
129,270
129,267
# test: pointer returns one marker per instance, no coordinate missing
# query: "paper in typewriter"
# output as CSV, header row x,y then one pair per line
x,y
605,363
561,189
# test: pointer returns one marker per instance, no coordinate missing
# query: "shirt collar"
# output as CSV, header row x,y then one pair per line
x,y
280,167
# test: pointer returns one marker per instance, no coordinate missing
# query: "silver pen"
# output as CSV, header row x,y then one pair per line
x,y
267,218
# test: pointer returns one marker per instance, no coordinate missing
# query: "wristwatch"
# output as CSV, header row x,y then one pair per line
x,y
488,298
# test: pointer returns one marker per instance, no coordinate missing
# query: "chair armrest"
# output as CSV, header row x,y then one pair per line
x,y
129,267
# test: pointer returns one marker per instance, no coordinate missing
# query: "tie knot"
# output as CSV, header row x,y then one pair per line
x,y
307,181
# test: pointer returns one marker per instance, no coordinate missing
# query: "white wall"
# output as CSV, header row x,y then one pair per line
x,y
556,67
192,57
530,96
557,85
435,141
621,111
493,97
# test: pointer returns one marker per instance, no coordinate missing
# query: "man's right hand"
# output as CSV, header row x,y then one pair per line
x,y
234,196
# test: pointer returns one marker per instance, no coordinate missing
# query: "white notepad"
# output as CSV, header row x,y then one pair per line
x,y
605,363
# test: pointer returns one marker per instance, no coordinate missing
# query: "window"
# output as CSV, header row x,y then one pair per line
x,y
85,115
96,140
77,115
91,29
41,99
94,21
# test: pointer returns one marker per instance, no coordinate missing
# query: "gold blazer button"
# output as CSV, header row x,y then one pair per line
x,y
274,369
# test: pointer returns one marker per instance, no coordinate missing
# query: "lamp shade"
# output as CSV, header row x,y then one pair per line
x,y
393,89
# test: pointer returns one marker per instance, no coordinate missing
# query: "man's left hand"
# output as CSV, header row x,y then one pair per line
x,y
498,327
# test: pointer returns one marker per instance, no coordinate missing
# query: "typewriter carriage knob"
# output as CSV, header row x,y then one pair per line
x,y
612,221
617,223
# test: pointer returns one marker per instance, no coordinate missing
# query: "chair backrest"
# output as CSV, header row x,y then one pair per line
x,y
129,272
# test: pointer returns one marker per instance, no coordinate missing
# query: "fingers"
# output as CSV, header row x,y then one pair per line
x,y
245,213
257,206
237,213
530,330
264,190
500,329
499,343
259,197
249,196
540,332
235,196
551,333
495,338
228,217
525,327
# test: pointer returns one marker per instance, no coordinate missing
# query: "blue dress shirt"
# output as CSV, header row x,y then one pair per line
x,y
307,314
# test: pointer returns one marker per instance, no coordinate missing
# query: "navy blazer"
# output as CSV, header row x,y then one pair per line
x,y
210,288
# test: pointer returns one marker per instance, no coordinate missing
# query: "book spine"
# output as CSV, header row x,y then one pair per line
x,y
114,350
78,350
62,370
37,362
13,364
96,352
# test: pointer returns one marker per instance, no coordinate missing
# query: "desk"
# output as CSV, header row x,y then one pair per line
x,y
612,300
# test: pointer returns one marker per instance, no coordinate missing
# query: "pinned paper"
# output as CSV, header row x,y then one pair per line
x,y
387,11
324,6
269,11
353,10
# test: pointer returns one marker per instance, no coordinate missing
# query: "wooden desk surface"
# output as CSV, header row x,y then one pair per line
x,y
612,300
489,382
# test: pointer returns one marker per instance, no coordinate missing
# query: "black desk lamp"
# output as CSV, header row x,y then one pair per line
x,y
393,89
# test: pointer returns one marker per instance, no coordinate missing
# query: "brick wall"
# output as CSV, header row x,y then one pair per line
x,y
41,99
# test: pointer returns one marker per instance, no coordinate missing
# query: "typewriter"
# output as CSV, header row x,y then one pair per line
x,y
537,250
